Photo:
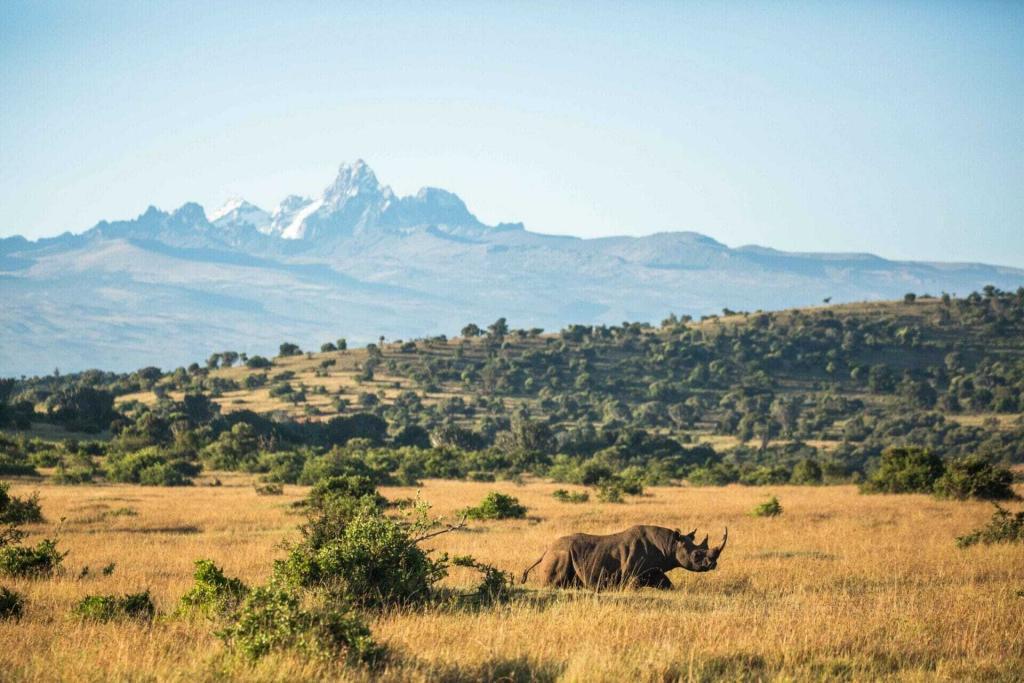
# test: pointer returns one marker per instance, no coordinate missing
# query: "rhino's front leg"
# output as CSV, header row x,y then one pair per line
x,y
654,579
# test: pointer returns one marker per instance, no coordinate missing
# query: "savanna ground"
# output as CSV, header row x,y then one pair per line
x,y
841,585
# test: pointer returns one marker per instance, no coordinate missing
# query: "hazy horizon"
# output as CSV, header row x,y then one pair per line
x,y
893,130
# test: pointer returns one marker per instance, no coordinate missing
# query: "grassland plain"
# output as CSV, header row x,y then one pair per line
x,y
840,586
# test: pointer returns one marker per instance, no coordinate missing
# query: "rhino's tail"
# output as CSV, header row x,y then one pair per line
x,y
526,572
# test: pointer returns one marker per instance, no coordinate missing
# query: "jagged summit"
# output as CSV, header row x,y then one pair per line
x,y
357,203
238,213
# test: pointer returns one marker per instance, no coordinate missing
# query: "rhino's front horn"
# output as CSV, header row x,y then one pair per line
x,y
718,551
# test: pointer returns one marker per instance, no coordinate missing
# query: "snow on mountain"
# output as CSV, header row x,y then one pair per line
x,y
357,203
285,214
237,213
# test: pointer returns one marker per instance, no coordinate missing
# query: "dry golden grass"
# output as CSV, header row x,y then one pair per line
x,y
840,586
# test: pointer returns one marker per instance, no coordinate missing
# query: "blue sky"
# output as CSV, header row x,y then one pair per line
x,y
894,128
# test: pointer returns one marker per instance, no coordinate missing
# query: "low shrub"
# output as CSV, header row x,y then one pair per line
x,y
27,562
769,508
72,476
358,553
352,486
716,474
975,477
496,506
563,496
905,470
150,467
11,604
15,510
1004,527
495,585
270,489
163,474
273,619
610,492
212,594
110,607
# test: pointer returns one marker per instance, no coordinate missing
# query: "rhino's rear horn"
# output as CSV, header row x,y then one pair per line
x,y
718,551
704,543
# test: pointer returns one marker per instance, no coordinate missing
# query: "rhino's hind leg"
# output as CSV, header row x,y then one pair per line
x,y
557,570
654,579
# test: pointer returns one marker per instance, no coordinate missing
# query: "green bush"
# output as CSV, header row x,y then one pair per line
x,y
717,474
274,619
905,470
14,510
11,604
270,489
163,474
975,477
563,496
72,476
355,487
109,607
496,506
1004,527
610,492
806,472
495,585
150,467
212,594
358,553
769,508
23,561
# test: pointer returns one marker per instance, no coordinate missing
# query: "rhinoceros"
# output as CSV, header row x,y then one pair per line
x,y
638,556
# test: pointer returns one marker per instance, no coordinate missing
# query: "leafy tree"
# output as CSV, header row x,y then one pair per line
x,y
905,470
289,349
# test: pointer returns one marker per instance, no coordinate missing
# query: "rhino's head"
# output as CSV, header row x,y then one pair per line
x,y
697,557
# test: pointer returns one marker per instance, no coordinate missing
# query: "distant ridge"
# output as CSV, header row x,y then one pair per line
x,y
360,261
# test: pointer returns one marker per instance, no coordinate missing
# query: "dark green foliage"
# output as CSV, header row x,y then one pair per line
x,y
258,362
110,607
975,477
82,408
27,562
806,472
12,604
905,470
15,510
212,594
716,474
496,506
340,430
273,619
563,496
1004,527
289,349
769,508
355,487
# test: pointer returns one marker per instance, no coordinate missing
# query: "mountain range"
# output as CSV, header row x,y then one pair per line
x,y
360,261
